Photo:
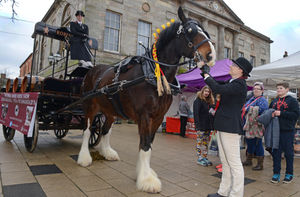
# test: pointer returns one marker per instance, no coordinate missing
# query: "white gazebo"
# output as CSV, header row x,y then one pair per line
x,y
286,69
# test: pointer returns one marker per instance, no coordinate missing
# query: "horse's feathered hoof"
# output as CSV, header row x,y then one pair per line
x,y
84,159
110,154
149,184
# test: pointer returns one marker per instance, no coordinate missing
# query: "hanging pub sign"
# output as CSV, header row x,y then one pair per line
x,y
18,111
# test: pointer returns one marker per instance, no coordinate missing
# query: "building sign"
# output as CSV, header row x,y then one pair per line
x,y
18,111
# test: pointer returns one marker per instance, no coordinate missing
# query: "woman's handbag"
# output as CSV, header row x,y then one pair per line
x,y
213,143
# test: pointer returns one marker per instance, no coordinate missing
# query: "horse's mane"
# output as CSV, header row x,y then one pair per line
x,y
167,35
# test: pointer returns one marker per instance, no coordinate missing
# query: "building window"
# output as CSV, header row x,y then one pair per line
x,y
241,54
262,62
241,42
252,60
143,36
112,31
65,22
227,53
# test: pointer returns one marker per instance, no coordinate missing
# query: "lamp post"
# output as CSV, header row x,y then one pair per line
x,y
53,60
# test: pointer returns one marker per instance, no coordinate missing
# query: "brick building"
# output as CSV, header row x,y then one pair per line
x,y
25,67
118,25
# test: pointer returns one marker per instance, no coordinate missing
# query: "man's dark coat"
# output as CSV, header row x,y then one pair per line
x,y
233,97
79,45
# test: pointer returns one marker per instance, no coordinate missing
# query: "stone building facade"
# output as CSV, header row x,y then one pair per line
x,y
118,25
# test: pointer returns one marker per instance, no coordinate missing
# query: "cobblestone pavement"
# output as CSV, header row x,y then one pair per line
x,y
52,171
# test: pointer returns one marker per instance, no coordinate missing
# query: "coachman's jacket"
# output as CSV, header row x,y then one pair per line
x,y
233,97
79,46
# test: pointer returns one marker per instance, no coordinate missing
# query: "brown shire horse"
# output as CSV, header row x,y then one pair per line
x,y
141,102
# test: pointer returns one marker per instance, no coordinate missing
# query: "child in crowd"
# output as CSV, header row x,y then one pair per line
x,y
203,123
287,111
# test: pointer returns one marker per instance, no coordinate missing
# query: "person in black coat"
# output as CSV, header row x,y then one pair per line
x,y
79,46
203,123
287,111
228,123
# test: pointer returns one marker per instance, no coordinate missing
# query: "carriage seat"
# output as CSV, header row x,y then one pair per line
x,y
53,85
79,72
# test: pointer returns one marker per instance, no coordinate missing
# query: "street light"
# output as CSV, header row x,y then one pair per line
x,y
53,60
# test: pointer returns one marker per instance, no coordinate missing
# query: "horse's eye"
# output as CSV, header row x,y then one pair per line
x,y
190,30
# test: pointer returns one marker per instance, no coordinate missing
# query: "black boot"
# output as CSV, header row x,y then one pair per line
x,y
260,161
215,195
248,161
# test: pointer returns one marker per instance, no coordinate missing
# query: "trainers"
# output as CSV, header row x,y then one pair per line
x,y
219,166
220,170
275,178
209,163
288,178
202,162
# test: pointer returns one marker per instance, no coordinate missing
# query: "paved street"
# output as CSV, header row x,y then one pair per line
x,y
52,171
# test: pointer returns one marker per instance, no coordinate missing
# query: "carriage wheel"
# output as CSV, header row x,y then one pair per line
x,y
60,133
30,142
96,130
8,133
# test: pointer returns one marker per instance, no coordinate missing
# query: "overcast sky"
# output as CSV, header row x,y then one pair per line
x,y
279,20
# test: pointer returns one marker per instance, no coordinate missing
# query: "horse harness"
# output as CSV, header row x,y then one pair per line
x,y
112,90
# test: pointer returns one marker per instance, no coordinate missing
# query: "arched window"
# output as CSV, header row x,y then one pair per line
x,y
65,22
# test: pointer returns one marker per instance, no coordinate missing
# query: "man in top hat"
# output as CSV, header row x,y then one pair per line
x,y
79,46
228,123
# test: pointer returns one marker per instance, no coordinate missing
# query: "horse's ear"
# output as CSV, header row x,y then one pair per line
x,y
181,15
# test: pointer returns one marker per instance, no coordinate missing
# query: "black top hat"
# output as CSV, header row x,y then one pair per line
x,y
244,64
79,12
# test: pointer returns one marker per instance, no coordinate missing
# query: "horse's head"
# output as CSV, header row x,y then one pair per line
x,y
195,41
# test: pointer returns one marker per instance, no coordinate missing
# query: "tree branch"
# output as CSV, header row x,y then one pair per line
x,y
14,3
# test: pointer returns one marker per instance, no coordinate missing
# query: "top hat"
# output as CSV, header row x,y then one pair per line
x,y
79,12
244,64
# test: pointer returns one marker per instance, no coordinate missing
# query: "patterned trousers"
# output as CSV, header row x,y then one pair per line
x,y
202,143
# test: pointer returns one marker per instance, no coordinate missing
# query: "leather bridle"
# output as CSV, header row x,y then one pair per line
x,y
189,30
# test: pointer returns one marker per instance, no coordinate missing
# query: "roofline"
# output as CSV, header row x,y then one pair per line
x,y
26,59
260,35
49,12
237,21
231,11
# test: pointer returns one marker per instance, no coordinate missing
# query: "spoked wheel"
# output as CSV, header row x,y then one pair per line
x,y
60,133
8,133
30,142
96,130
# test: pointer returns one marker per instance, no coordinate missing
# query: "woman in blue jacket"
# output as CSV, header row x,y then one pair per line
x,y
254,144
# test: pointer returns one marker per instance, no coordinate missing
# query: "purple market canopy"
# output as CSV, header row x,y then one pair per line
x,y
194,81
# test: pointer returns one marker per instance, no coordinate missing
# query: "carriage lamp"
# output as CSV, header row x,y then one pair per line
x,y
53,60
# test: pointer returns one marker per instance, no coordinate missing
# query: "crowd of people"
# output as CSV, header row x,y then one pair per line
x,y
225,109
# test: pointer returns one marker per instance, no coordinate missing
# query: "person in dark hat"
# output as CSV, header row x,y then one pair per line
x,y
228,124
79,46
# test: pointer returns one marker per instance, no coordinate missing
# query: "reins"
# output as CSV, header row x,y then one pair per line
x,y
164,64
